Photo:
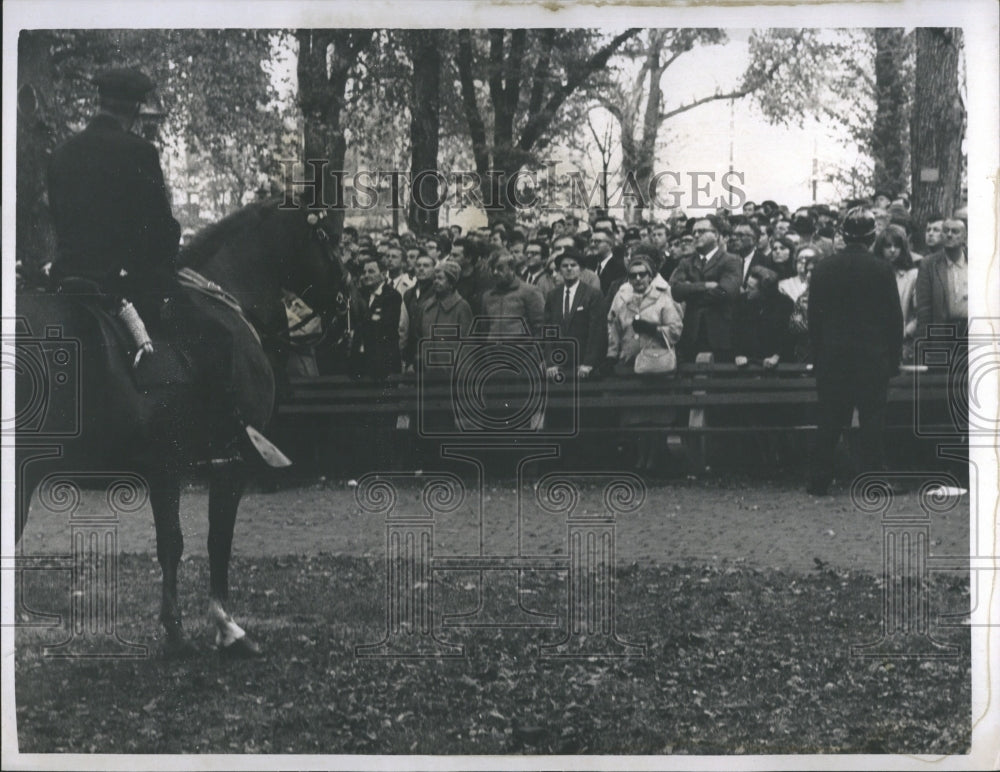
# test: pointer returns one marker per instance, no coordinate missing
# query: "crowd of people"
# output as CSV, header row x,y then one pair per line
x,y
643,297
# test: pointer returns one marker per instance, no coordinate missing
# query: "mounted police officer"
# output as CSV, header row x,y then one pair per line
x,y
856,334
109,201
114,229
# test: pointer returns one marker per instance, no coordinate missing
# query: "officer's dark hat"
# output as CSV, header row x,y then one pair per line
x,y
123,83
858,225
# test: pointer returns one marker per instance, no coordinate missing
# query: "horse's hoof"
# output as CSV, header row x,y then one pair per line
x,y
179,648
241,648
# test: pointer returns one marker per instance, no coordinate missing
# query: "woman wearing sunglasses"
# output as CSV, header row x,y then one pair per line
x,y
644,325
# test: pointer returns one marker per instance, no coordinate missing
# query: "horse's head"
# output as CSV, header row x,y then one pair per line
x,y
313,269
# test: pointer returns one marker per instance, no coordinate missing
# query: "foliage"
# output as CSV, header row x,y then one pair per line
x,y
222,122
529,77
738,661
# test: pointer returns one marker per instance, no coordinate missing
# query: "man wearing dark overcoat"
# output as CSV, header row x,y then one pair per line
x,y
856,335
708,283
109,201
114,227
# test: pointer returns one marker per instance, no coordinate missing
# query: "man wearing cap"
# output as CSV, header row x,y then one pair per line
x,y
109,201
856,334
580,313
114,226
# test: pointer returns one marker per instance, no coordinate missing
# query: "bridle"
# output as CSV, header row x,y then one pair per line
x,y
342,304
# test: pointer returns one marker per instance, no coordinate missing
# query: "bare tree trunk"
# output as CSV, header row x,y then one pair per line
x,y
937,124
324,63
35,139
889,132
425,123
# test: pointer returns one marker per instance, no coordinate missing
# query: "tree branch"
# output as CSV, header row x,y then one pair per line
x,y
477,130
495,77
540,121
737,94
512,76
541,72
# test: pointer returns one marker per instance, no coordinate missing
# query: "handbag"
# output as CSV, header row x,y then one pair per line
x,y
653,359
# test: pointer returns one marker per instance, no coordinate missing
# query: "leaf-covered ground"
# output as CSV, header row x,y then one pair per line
x,y
736,660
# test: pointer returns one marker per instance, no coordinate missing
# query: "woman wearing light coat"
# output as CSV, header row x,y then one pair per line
x,y
644,323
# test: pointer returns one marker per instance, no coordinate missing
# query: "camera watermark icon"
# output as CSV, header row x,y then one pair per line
x,y
589,564
492,382
963,364
906,626
92,563
46,372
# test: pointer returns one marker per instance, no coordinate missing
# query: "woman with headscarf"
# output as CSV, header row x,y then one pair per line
x,y
644,325
893,245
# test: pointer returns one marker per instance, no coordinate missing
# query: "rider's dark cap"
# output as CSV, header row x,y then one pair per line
x,y
123,83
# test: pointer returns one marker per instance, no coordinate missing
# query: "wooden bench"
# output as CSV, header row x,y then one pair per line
x,y
706,399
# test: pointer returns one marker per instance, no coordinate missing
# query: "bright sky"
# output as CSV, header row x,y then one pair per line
x,y
776,161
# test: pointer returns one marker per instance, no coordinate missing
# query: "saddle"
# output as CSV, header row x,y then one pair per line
x,y
169,365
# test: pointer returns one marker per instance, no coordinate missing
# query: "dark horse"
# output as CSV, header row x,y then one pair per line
x,y
157,429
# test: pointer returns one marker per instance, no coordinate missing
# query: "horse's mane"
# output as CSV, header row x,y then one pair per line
x,y
210,239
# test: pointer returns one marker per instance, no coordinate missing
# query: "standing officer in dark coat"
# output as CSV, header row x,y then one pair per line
x,y
856,334
114,227
109,201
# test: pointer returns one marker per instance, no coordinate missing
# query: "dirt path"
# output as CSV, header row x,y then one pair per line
x,y
767,526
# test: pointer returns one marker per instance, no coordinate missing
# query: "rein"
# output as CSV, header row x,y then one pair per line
x,y
190,278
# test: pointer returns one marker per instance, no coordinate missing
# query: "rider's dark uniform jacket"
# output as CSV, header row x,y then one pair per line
x,y
111,211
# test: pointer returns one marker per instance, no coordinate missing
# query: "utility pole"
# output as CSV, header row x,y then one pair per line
x,y
732,144
815,174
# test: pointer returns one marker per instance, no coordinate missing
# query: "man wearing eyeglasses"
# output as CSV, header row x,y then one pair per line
x,y
609,266
744,243
708,283
942,289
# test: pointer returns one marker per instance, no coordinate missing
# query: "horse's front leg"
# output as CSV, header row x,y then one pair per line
x,y
225,490
165,497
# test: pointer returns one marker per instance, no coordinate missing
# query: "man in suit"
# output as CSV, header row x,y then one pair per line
x,y
535,271
743,242
580,313
608,266
376,348
708,283
856,334
417,295
942,288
